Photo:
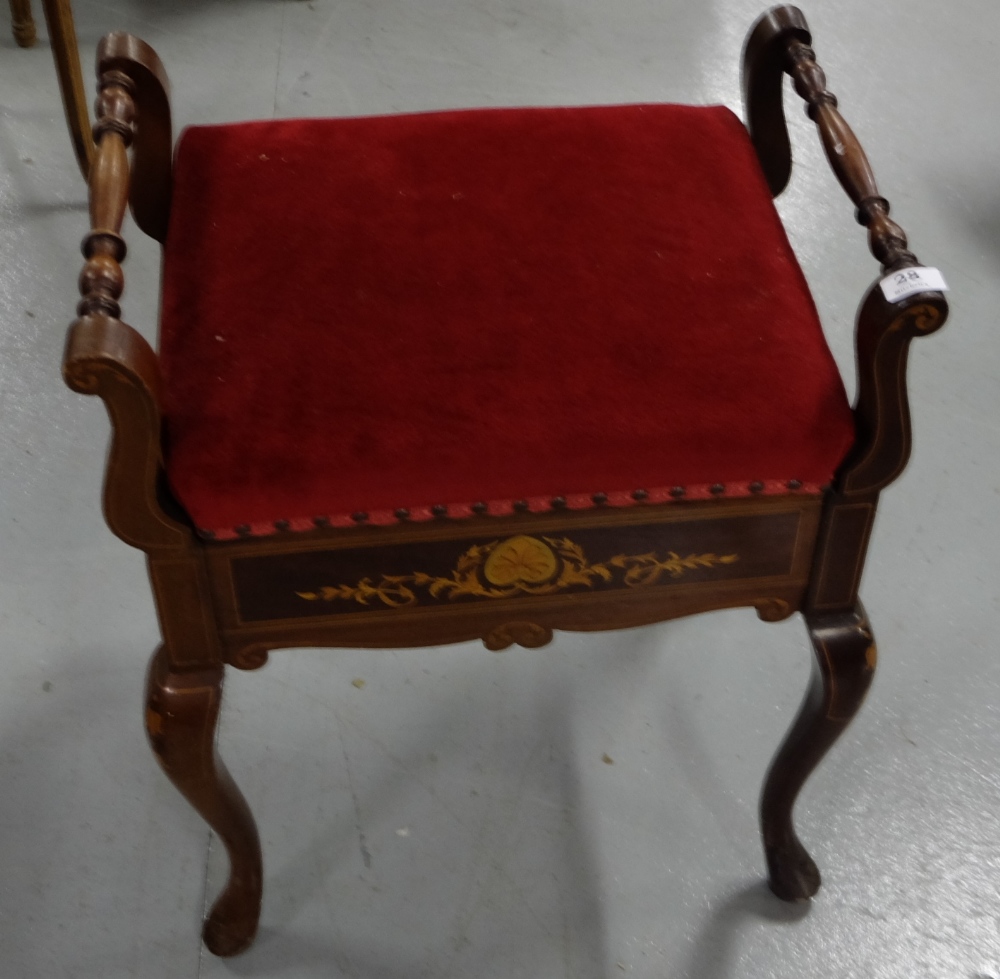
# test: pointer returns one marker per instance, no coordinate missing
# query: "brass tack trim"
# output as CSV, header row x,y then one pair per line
x,y
639,494
716,488
757,487
600,498
677,492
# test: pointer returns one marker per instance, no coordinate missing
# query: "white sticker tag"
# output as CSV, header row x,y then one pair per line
x,y
908,282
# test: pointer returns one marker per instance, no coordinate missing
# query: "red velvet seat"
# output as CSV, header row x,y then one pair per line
x,y
364,316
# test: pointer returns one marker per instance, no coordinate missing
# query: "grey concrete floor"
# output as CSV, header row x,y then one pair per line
x,y
455,816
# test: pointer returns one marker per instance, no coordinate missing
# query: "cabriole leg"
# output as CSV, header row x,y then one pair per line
x,y
843,670
182,709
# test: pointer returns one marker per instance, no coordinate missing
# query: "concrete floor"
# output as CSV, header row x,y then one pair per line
x,y
455,816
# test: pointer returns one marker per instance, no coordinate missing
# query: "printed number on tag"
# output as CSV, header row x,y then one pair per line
x,y
908,282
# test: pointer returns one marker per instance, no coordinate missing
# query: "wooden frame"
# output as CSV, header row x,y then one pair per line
x,y
231,602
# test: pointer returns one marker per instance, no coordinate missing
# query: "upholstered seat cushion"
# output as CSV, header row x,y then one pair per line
x,y
365,316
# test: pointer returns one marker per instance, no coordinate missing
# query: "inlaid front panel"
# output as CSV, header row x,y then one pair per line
x,y
439,573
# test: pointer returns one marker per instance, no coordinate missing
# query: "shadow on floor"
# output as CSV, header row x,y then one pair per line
x,y
717,947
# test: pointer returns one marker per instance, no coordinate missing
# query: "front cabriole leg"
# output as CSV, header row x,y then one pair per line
x,y
182,709
843,670
845,653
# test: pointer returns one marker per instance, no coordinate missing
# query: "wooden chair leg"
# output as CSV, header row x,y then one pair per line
x,y
62,35
181,714
843,670
22,23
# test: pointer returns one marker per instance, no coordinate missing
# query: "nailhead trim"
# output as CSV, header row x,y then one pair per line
x,y
501,507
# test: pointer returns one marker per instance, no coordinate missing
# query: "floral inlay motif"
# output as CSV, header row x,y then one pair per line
x,y
521,565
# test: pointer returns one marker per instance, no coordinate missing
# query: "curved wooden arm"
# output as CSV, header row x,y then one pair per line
x,y
882,445
882,411
764,62
886,239
779,42
107,358
152,145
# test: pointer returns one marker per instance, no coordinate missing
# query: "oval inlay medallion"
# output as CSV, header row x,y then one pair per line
x,y
520,558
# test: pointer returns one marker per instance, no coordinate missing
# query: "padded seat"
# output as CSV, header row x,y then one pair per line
x,y
484,310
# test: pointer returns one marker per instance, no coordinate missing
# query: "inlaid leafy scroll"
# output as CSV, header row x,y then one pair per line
x,y
521,565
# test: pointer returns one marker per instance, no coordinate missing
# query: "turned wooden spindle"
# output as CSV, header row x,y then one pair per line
x,y
886,239
102,281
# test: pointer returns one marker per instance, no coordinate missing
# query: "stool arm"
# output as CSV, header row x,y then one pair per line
x,y
886,239
106,357
884,328
882,408
778,44
764,63
152,144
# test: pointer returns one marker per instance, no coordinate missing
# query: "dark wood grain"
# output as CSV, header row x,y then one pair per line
x,y
774,537
844,666
654,555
